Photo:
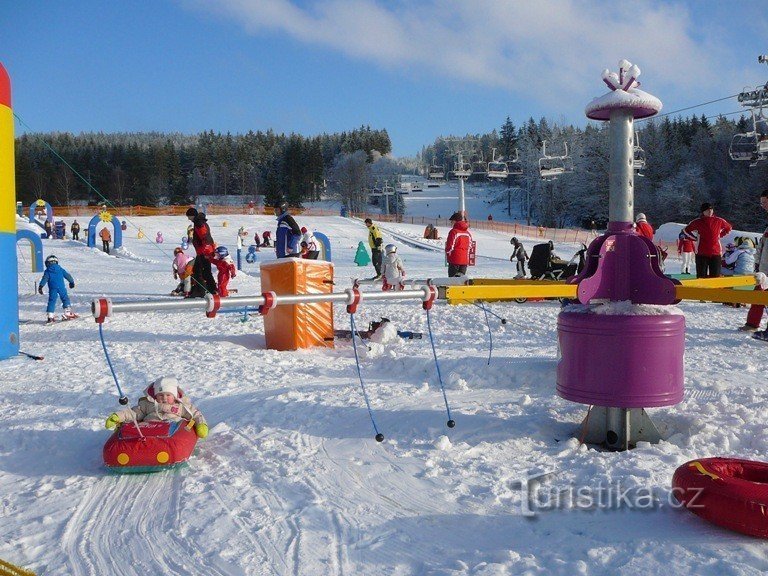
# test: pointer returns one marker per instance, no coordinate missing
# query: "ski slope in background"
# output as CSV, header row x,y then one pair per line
x,y
290,480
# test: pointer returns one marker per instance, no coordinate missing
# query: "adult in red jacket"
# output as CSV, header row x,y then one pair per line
x,y
457,246
642,227
710,229
202,277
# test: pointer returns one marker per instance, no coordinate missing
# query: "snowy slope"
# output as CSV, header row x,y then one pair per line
x,y
290,480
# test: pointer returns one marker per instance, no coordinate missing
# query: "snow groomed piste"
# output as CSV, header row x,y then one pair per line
x,y
622,275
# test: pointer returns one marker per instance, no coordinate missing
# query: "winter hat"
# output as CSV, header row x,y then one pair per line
x,y
706,206
167,384
191,213
640,217
303,229
455,217
368,221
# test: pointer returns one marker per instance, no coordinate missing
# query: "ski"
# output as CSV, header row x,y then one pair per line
x,y
31,355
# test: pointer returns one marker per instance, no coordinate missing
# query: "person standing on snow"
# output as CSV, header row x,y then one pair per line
x,y
226,267
710,229
375,241
287,234
457,246
202,277
520,255
642,227
75,229
106,238
687,249
54,276
393,269
309,238
755,314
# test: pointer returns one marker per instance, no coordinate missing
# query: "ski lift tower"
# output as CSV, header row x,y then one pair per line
x,y
622,346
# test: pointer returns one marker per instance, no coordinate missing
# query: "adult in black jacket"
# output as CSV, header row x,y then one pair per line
x,y
202,277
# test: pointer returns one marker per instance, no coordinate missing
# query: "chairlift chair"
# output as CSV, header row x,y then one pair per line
x,y
638,156
436,172
550,167
462,169
497,170
514,166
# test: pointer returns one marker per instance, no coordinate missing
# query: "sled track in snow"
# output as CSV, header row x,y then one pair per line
x,y
413,243
129,522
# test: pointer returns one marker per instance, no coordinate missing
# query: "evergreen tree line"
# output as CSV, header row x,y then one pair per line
x,y
152,169
687,163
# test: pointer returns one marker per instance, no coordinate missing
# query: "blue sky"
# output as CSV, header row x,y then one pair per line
x,y
419,69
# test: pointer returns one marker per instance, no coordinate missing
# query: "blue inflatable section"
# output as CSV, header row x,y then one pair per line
x,y
48,213
117,231
325,246
9,300
36,245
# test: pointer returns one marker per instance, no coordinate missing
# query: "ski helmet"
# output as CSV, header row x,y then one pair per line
x,y
177,250
514,240
281,207
222,252
51,260
303,229
390,249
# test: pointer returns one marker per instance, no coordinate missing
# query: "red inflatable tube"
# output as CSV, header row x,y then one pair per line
x,y
153,446
728,492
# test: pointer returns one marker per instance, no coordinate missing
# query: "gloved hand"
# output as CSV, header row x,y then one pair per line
x,y
112,421
201,430
175,276
71,284
40,290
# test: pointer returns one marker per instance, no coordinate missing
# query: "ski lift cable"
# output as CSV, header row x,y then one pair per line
x,y
104,200
688,108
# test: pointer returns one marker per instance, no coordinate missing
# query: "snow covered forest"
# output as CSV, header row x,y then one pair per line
x,y
154,168
687,164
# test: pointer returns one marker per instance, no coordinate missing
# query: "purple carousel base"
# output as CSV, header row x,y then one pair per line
x,y
622,361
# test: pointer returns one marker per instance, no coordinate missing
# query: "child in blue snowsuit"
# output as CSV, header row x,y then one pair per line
x,y
54,276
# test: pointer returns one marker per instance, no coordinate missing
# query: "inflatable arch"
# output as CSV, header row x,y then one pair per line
x,y
105,217
37,205
36,245
324,245
9,299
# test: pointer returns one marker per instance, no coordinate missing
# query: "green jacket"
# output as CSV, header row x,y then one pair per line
x,y
374,237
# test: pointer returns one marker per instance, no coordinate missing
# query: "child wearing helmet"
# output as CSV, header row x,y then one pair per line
x,y
519,255
163,400
307,237
182,267
393,269
54,277
226,268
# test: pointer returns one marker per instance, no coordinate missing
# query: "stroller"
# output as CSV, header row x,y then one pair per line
x,y
544,267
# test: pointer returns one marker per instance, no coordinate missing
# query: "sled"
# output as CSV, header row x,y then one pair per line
x,y
729,492
138,448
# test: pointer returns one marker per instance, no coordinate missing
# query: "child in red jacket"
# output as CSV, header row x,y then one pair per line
x,y
226,268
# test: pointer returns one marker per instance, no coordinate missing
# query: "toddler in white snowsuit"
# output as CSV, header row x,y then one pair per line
x,y
393,270
163,400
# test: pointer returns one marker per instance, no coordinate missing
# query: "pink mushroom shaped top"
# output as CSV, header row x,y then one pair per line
x,y
624,95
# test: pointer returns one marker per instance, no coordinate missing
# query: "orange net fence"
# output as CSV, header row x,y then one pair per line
x,y
508,228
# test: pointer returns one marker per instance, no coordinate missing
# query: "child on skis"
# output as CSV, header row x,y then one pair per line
x,y
54,276
182,270
519,255
226,268
163,400
393,269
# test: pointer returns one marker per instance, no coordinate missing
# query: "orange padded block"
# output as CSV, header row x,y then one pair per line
x,y
299,325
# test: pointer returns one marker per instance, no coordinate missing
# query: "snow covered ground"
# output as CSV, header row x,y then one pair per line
x,y
291,481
